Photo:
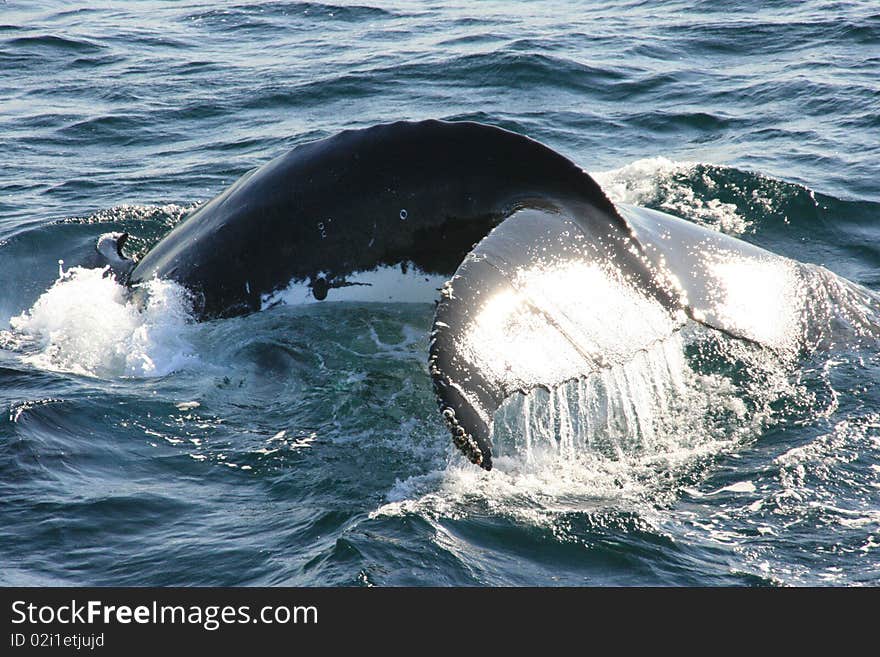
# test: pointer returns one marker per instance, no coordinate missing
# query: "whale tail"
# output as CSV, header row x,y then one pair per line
x,y
109,247
540,301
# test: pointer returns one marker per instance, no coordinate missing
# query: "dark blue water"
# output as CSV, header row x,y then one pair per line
x,y
302,446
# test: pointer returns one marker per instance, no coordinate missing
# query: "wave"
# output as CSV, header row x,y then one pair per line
x,y
785,217
261,15
54,42
733,201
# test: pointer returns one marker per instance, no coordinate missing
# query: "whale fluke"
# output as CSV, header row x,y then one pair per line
x,y
550,281
398,194
541,300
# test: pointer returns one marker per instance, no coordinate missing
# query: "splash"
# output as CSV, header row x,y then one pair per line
x,y
627,437
87,324
669,186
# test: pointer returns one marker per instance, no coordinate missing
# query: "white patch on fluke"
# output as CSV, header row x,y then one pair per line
x,y
383,284
546,329
761,299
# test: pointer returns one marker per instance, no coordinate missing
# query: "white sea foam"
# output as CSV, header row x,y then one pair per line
x,y
86,324
665,184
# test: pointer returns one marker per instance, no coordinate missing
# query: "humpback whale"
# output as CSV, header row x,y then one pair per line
x,y
547,280
419,194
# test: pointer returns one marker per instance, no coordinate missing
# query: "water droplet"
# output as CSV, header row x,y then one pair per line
x,y
403,214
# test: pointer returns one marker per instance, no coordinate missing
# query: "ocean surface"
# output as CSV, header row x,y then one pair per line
x,y
302,445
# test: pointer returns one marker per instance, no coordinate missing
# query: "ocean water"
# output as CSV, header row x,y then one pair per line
x,y
302,445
